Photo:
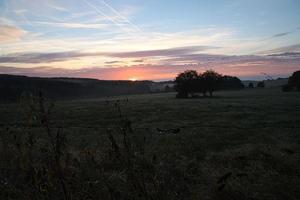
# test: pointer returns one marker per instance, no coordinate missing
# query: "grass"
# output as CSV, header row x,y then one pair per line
x,y
237,145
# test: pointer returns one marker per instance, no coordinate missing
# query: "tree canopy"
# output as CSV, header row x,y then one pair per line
x,y
294,80
190,82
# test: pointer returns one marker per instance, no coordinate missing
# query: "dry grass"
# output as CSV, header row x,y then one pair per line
x,y
238,145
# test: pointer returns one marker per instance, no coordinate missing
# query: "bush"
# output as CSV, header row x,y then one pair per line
x,y
250,85
260,84
231,83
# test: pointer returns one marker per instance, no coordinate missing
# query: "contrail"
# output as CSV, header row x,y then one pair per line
x,y
120,15
108,17
33,26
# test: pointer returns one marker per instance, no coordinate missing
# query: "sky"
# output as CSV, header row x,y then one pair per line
x,y
149,39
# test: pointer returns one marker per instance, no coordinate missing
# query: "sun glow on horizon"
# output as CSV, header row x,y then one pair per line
x,y
133,79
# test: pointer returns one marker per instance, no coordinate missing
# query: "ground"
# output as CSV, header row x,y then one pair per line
x,y
238,145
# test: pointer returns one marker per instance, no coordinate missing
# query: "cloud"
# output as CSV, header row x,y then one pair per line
x,y
162,52
290,55
40,57
241,68
74,25
58,8
119,14
20,11
114,21
10,33
138,61
281,34
113,62
281,50
68,55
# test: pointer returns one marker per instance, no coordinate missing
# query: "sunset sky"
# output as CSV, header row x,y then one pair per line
x,y
149,39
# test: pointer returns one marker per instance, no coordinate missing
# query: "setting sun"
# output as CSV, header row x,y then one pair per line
x,y
133,79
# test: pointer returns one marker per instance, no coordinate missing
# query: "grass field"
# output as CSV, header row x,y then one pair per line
x,y
236,145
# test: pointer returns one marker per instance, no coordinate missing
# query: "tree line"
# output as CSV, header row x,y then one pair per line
x,y
13,87
190,82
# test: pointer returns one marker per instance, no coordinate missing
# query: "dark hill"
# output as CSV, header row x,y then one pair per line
x,y
12,87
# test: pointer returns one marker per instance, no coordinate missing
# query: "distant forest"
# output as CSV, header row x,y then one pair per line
x,y
13,87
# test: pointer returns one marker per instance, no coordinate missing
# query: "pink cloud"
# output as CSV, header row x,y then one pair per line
x,y
10,33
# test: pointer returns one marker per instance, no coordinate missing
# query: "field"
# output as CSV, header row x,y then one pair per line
x,y
236,145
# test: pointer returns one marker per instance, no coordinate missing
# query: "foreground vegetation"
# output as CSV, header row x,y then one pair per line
x,y
236,145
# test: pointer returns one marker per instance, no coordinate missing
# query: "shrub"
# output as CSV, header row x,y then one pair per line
x,y
260,84
250,85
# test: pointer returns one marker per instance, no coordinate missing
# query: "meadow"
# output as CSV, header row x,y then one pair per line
x,y
236,145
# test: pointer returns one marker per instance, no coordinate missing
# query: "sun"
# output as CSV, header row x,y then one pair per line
x,y
133,79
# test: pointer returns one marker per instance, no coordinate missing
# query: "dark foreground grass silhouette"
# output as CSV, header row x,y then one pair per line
x,y
240,145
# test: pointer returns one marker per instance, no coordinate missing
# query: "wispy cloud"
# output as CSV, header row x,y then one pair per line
x,y
286,55
20,11
9,33
121,16
59,8
162,52
39,57
68,55
281,34
281,50
96,9
74,25
138,61
113,62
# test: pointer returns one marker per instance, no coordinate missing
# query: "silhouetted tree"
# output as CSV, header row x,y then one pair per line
x,y
211,81
186,83
231,82
190,82
201,86
294,80
260,84
250,85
